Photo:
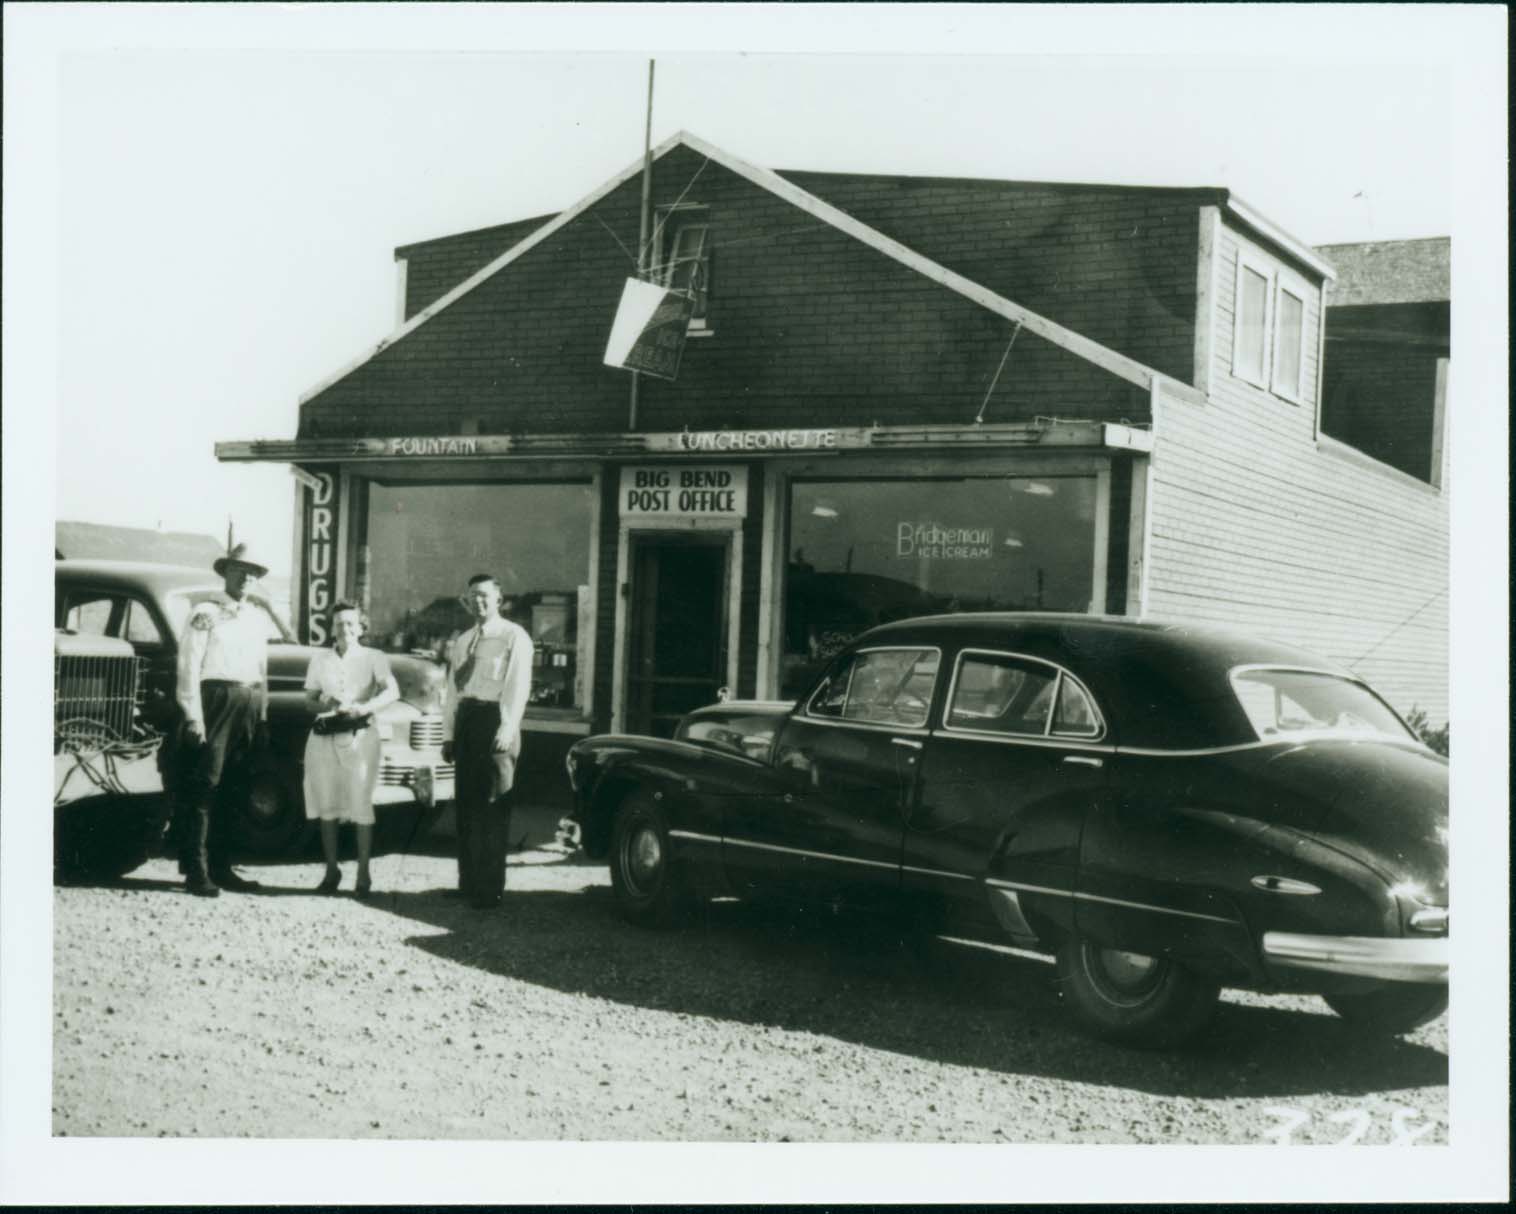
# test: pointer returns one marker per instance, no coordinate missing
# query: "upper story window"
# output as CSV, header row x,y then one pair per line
x,y
1289,343
683,257
1251,341
1268,344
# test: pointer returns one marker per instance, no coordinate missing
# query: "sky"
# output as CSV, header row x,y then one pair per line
x,y
201,207
228,213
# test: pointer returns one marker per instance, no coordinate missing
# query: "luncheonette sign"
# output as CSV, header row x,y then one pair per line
x,y
684,490
649,330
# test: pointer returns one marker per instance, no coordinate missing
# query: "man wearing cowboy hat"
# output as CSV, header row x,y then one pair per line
x,y
223,690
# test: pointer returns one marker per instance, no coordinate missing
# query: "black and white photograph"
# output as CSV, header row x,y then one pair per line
x,y
635,584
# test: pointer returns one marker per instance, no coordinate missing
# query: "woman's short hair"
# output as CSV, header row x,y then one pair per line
x,y
339,608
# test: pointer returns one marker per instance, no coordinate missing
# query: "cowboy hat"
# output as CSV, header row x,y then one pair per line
x,y
236,555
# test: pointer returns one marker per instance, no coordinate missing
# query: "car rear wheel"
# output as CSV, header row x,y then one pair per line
x,y
1391,1010
1133,998
642,874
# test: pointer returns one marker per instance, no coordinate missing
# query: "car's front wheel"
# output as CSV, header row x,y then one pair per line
x,y
1391,1010
267,820
642,874
1133,998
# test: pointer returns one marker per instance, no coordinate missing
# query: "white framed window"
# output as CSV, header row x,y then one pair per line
x,y
1253,320
683,258
1289,341
1268,339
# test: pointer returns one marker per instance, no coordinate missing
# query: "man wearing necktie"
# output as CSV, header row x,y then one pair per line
x,y
489,682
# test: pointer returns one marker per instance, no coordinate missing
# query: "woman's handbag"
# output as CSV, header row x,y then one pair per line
x,y
341,722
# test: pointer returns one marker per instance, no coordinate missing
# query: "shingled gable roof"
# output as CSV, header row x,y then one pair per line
x,y
1117,364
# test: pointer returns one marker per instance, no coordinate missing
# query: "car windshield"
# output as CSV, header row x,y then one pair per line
x,y
179,603
1284,702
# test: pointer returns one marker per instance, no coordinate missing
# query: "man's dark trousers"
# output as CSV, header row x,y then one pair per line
x,y
483,807
213,771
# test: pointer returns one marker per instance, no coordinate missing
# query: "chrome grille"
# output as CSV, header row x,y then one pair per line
x,y
402,775
426,733
95,694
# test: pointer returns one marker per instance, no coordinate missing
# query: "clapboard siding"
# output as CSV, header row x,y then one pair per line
x,y
1257,525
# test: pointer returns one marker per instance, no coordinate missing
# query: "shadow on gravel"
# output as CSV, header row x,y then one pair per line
x,y
931,999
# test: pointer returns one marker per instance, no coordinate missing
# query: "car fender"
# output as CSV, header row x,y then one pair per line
x,y
689,780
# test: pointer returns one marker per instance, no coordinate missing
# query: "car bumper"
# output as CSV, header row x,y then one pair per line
x,y
406,781
1394,959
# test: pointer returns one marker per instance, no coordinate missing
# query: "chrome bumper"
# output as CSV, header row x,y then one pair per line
x,y
1395,959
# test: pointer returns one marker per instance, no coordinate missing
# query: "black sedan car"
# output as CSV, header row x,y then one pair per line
x,y
1167,809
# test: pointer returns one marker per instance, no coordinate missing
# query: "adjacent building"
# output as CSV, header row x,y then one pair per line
x,y
896,395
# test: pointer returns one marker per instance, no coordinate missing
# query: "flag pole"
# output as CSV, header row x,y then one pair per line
x,y
644,220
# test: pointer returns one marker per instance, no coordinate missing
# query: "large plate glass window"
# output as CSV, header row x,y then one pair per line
x,y
865,552
879,687
426,541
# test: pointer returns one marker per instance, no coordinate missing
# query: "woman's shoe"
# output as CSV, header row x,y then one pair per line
x,y
330,882
364,887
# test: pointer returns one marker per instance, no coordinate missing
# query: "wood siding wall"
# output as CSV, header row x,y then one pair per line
x,y
1258,525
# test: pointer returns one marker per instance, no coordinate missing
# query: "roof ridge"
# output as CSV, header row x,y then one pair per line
x,y
1112,361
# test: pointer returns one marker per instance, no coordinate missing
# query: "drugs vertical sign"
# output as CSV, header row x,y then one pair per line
x,y
649,330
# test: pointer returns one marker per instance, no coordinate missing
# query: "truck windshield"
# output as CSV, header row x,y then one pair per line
x,y
179,603
1287,702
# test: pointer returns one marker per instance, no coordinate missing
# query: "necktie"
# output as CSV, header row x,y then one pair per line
x,y
466,667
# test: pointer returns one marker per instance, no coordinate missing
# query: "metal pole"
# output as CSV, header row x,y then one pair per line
x,y
644,224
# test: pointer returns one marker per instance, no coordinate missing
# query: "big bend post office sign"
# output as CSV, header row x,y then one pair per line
x,y
684,491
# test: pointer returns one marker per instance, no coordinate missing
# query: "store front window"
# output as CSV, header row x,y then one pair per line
x,y
863,553
426,541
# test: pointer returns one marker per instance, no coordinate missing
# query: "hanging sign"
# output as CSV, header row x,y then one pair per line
x,y
649,330
319,585
684,490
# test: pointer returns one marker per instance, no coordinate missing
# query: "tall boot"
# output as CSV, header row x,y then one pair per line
x,y
194,827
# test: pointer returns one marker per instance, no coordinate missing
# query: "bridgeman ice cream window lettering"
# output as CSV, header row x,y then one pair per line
x,y
864,552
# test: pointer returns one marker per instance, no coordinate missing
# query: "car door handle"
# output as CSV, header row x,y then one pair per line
x,y
908,743
1084,761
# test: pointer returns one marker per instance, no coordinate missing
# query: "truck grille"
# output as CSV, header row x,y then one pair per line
x,y
400,775
95,696
426,733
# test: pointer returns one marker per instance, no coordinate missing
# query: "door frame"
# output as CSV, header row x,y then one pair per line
x,y
728,528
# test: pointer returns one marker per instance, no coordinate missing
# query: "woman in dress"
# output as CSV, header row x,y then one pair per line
x,y
346,685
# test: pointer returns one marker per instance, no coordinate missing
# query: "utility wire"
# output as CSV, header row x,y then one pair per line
x,y
1015,333
630,256
658,227
1439,594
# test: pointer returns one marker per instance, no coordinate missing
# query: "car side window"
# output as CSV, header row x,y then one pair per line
x,y
89,614
140,627
1075,715
880,687
891,687
1002,695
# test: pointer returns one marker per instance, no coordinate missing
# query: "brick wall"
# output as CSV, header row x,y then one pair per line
x,y
1256,526
810,327
1380,380
435,267
1115,264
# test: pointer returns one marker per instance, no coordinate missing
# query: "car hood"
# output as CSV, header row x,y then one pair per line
x,y
420,679
1383,804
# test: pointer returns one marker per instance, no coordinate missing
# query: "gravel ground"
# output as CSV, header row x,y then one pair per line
x,y
288,1015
